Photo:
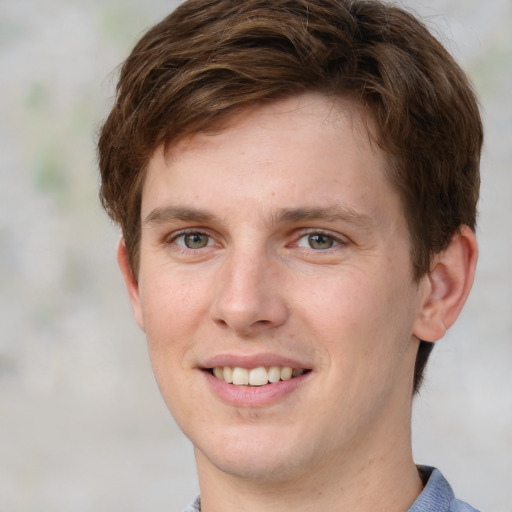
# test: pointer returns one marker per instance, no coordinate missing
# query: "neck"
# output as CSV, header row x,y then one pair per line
x,y
384,477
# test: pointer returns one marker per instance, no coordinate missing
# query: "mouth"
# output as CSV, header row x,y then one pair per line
x,y
259,376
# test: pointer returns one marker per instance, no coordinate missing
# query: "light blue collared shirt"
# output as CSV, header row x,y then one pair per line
x,y
437,496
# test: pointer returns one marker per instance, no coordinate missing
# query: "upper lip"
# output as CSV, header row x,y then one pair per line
x,y
253,361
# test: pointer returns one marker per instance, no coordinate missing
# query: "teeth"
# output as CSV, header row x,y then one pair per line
x,y
258,376
228,374
274,374
255,376
286,373
240,376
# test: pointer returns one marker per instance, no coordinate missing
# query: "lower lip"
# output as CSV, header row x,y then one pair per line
x,y
254,396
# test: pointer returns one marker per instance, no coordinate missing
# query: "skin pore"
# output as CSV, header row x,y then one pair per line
x,y
279,241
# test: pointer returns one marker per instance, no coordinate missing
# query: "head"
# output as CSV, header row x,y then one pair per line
x,y
211,60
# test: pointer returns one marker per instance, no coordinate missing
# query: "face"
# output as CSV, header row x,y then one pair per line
x,y
278,246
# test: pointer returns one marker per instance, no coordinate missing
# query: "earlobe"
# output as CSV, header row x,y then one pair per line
x,y
131,283
448,283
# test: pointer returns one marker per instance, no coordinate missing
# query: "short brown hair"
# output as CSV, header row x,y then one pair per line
x,y
211,58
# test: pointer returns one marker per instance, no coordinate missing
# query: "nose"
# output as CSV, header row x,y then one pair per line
x,y
250,295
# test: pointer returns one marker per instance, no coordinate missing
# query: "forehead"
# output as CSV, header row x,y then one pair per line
x,y
290,113
307,150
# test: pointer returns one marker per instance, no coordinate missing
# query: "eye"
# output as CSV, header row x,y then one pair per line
x,y
195,240
318,241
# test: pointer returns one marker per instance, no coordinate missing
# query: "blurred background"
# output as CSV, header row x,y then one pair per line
x,y
82,425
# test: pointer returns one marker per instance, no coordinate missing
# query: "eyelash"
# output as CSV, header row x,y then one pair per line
x,y
336,240
182,247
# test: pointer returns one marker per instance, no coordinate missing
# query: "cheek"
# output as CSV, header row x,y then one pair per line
x,y
170,314
358,318
172,295
344,302
172,309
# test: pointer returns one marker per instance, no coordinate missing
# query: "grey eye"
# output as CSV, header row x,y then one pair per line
x,y
320,241
195,240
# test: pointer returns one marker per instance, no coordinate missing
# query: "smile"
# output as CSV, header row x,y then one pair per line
x,y
259,376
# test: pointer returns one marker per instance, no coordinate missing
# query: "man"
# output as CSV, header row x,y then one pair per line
x,y
296,183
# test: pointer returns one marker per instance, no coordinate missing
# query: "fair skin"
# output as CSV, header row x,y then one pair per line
x,y
279,242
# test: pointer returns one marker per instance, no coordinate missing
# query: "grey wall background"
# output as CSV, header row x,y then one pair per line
x,y
82,426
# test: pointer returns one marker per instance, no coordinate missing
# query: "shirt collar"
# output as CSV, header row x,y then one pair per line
x,y
437,493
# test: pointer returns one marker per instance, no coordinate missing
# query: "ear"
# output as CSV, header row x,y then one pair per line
x,y
131,283
448,285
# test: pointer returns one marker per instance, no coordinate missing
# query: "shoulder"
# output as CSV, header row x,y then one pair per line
x,y
195,506
460,506
438,496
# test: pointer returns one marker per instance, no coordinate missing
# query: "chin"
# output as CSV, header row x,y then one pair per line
x,y
262,458
263,469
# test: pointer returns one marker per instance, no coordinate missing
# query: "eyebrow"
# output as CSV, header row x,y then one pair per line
x,y
328,214
334,213
183,213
